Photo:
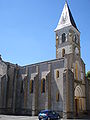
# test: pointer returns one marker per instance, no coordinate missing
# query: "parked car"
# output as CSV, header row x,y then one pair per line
x,y
48,115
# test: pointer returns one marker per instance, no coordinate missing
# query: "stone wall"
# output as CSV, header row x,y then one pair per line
x,y
3,85
88,95
68,94
32,103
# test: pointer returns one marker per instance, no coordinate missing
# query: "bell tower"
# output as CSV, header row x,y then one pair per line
x,y
67,34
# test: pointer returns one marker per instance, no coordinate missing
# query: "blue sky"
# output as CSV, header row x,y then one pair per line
x,y
27,29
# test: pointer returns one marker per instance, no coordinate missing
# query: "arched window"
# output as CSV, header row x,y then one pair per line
x,y
63,37
57,96
63,52
43,85
31,86
57,74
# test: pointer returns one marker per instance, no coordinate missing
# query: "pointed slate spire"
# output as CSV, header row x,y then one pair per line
x,y
0,57
66,18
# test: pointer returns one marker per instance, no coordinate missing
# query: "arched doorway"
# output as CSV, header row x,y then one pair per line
x,y
79,100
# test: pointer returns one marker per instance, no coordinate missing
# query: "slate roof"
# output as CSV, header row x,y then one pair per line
x,y
66,14
71,18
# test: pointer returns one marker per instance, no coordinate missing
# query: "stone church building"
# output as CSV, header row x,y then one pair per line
x,y
57,84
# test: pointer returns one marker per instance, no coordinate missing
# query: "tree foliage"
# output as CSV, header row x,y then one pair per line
x,y
88,75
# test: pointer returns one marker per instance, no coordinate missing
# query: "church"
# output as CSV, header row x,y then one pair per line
x,y
59,84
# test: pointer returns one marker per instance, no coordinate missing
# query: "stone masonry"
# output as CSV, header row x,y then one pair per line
x,y
58,84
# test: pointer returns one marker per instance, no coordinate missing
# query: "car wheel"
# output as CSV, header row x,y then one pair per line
x,y
49,119
39,118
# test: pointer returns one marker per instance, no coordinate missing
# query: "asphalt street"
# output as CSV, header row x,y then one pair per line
x,y
7,117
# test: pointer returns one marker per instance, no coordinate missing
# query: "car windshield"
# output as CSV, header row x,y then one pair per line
x,y
48,112
44,112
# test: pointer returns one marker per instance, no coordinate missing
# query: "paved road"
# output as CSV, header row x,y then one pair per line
x,y
7,117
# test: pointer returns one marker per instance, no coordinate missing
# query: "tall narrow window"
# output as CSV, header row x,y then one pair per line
x,y
57,42
22,86
25,90
25,83
57,37
63,37
31,86
76,71
63,52
57,74
43,85
57,96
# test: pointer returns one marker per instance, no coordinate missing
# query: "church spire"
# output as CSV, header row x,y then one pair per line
x,y
66,18
0,57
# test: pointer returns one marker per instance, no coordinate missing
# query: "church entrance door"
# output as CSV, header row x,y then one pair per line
x,y
78,99
77,106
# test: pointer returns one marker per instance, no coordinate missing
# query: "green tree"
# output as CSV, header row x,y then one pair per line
x,y
88,75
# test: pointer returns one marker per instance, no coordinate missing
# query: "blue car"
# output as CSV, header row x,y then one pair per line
x,y
48,115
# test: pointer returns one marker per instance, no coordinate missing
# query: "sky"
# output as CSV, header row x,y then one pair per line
x,y
27,29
